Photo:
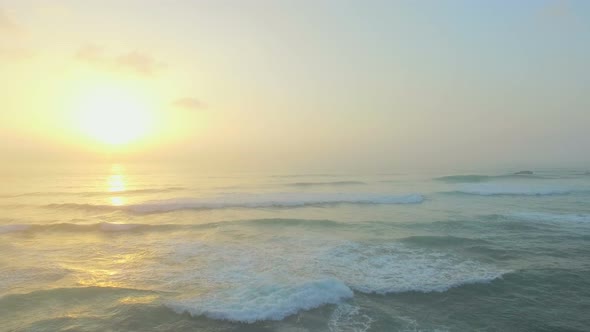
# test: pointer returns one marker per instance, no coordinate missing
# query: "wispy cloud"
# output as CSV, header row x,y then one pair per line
x,y
560,13
135,62
189,103
10,27
16,54
15,46
557,9
7,25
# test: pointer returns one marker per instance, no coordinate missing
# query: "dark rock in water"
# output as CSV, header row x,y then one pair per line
x,y
524,173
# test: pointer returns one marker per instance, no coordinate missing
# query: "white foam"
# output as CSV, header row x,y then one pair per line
x,y
394,268
266,301
512,189
552,217
272,200
349,318
12,228
275,277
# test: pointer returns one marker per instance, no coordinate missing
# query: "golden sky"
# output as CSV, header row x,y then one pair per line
x,y
295,84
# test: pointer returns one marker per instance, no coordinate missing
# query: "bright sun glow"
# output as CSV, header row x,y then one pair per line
x,y
114,116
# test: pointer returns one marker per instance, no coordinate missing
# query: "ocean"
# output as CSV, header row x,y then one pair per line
x,y
153,248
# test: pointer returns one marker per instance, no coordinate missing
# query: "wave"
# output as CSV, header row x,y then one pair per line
x,y
13,228
282,222
97,193
305,175
466,178
330,183
266,281
275,277
272,200
276,200
551,217
265,302
70,227
38,297
508,189
18,278
115,227
442,241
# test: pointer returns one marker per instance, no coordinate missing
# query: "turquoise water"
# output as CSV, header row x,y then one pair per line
x,y
130,248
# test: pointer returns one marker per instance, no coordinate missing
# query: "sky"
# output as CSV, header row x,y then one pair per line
x,y
296,85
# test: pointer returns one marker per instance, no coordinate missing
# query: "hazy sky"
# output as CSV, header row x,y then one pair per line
x,y
297,85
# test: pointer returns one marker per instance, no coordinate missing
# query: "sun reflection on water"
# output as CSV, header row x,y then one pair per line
x,y
116,184
118,270
117,201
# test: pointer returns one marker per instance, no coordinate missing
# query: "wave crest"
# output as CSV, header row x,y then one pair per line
x,y
120,227
252,201
265,302
248,283
272,200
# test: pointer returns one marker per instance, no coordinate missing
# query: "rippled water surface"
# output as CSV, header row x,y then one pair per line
x,y
130,248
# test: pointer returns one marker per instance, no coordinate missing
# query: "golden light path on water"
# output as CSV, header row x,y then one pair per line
x,y
116,184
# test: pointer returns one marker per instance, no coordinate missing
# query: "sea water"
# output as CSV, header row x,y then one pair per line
x,y
138,248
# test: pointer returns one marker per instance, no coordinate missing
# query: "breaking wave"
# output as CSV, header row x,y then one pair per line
x,y
265,302
250,201
266,282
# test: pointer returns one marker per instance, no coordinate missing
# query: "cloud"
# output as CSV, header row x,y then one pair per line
x,y
557,9
140,63
16,46
11,28
7,24
90,53
134,61
189,103
16,54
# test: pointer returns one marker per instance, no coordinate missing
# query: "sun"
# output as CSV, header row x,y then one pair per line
x,y
113,115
